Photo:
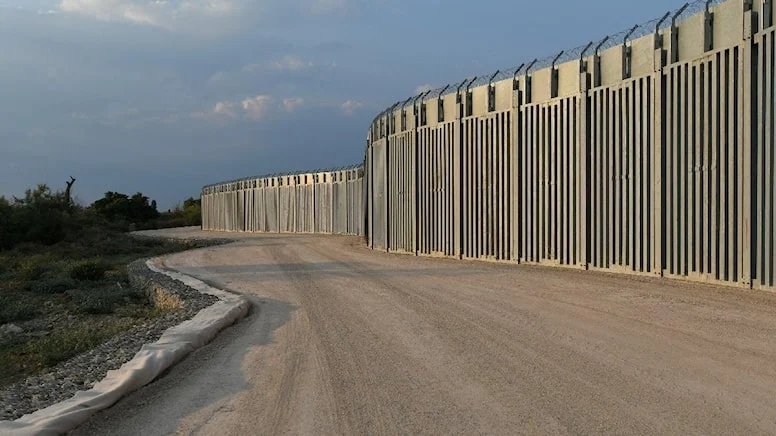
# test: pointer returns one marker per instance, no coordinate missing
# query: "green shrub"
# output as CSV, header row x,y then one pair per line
x,y
33,267
55,285
60,346
104,300
88,270
13,310
6,265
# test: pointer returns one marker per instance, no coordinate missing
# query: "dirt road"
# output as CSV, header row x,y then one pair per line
x,y
345,340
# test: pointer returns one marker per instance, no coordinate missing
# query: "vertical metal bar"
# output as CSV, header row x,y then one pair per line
x,y
769,45
465,191
427,215
438,189
675,167
671,186
732,252
695,213
766,97
582,199
609,144
564,131
444,186
685,170
493,186
528,181
454,129
639,210
449,189
524,150
536,183
618,178
471,198
477,187
597,175
627,172
508,192
499,192
567,174
630,210
572,166
714,107
502,196
572,187
552,206
561,111
512,180
743,81
542,220
488,212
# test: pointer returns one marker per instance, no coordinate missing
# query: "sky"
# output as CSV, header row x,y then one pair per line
x,y
165,96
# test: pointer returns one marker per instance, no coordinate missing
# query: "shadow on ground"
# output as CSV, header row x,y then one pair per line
x,y
223,379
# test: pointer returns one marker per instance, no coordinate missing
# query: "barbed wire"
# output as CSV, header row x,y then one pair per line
x,y
284,174
682,13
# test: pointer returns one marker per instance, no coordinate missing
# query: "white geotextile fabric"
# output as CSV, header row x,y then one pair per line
x,y
148,363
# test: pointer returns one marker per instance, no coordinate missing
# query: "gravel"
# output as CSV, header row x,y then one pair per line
x,y
81,372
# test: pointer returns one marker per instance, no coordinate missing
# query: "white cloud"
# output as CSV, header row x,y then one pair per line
x,y
291,63
222,110
160,13
423,88
256,108
350,106
226,108
291,104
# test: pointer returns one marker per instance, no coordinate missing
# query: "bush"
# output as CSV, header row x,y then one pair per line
x,y
12,310
60,346
88,270
55,285
32,268
104,300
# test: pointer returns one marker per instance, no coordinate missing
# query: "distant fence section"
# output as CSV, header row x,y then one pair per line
x,y
646,152
330,201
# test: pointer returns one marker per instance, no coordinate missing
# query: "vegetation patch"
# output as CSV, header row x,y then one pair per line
x,y
88,270
64,287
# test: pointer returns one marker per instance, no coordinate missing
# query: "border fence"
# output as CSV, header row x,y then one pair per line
x,y
321,201
650,151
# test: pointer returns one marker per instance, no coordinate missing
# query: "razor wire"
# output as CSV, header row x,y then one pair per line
x,y
656,25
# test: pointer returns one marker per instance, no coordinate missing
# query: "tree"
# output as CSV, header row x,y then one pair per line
x,y
7,239
68,189
40,216
192,211
116,206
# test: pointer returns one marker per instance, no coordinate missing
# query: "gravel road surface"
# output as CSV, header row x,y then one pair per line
x,y
345,340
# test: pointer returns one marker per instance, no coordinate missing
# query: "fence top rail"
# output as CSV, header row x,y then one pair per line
x,y
283,174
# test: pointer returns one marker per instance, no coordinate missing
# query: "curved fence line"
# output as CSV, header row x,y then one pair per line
x,y
650,151
328,201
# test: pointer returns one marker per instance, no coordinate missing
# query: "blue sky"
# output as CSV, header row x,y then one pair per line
x,y
164,96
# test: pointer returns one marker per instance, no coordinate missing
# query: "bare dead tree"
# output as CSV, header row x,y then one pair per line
x,y
68,199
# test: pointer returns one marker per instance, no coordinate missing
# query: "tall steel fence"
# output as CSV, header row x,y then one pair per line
x,y
330,201
647,152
